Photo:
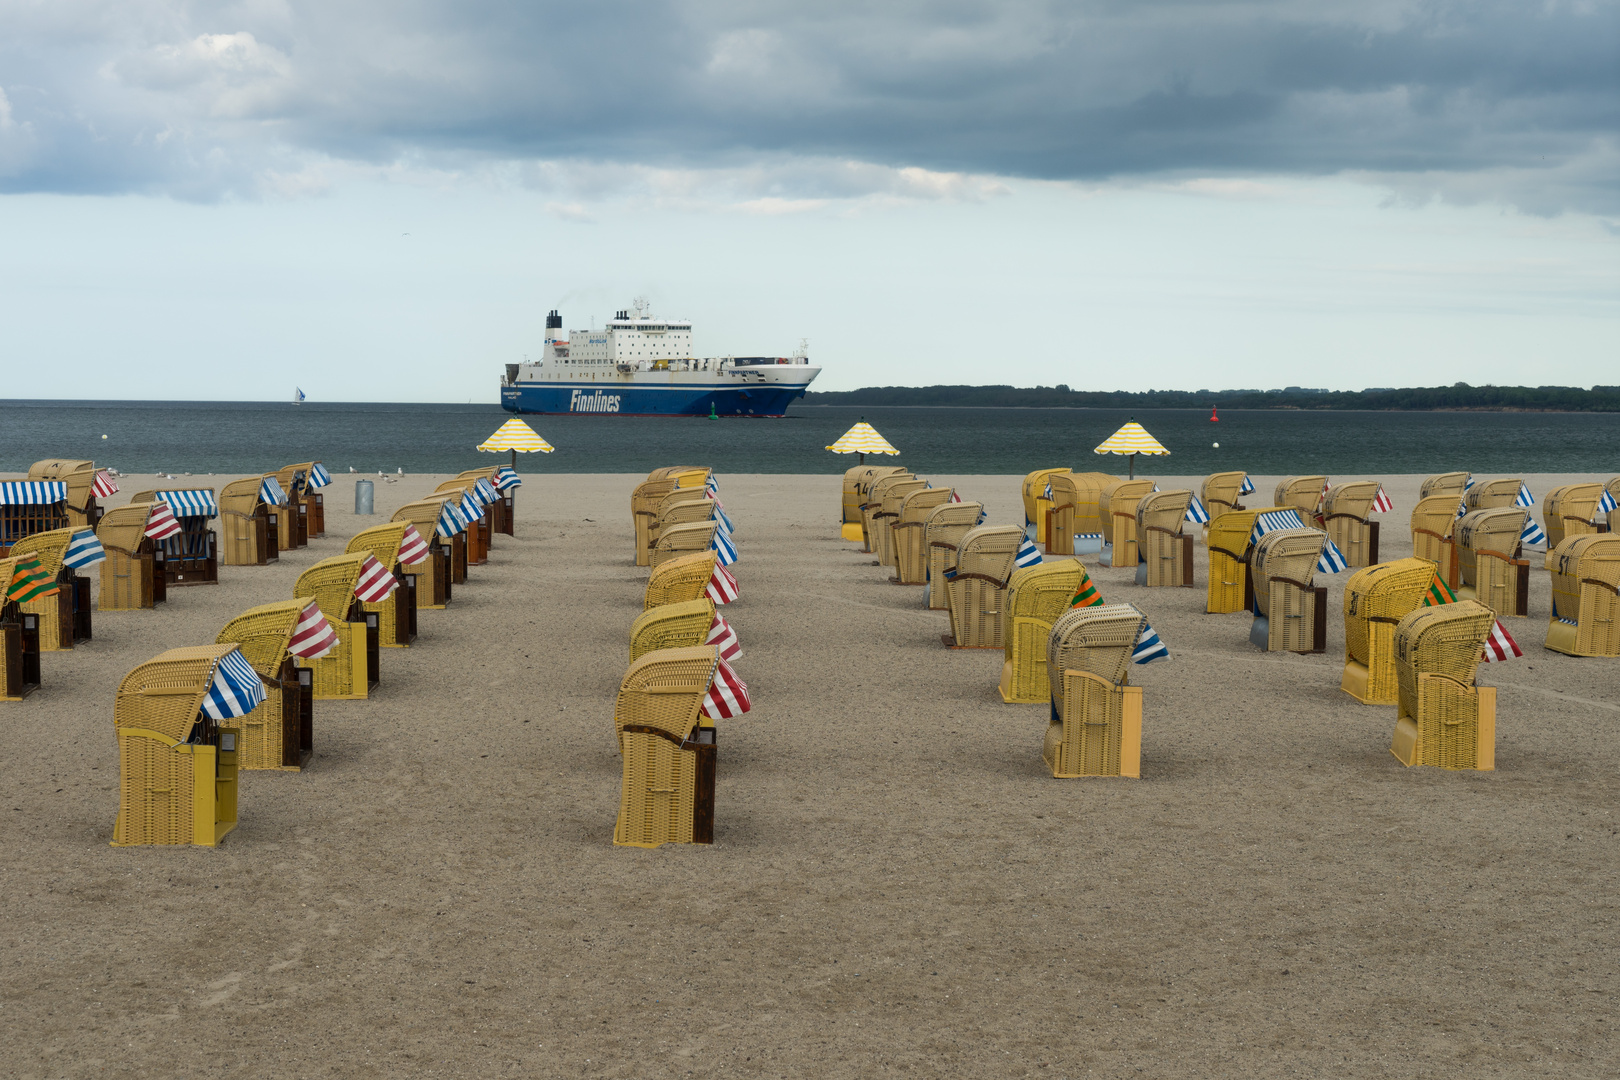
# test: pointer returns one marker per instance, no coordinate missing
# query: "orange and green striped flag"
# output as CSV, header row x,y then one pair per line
x,y
1087,595
28,581
1439,592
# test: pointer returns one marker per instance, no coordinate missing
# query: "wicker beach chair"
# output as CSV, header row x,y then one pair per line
x,y
131,575
1166,552
1493,494
1442,718
942,533
1036,597
667,796
310,505
690,476
279,733
1434,523
1221,491
192,556
1096,725
1346,514
1585,617
459,545
250,529
1570,510
1056,527
435,578
977,590
19,640
1292,613
292,520
64,615
396,616
672,472
176,767
1303,493
678,579
1117,508
1451,483
80,478
681,507
888,512
908,534
1376,598
1077,509
671,626
865,476
23,511
350,670
503,511
1229,549
643,509
1488,565
873,505
478,534
1036,504
683,540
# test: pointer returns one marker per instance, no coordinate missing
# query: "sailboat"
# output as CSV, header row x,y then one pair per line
x,y
298,396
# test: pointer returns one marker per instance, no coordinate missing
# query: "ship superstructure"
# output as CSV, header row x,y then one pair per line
x,y
639,365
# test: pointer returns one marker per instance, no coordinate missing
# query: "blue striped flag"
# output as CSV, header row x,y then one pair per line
x,y
506,478
486,493
1248,486
720,516
1196,512
83,550
451,519
724,548
1028,555
318,477
711,486
1047,494
1332,560
1276,519
271,493
236,689
1531,533
1148,647
1606,504
1524,500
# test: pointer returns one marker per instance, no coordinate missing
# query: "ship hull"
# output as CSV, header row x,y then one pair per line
x,y
624,398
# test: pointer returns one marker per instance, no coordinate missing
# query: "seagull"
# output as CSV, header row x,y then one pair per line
x,y
351,468
401,472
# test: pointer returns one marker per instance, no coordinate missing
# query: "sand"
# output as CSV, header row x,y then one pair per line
x,y
897,884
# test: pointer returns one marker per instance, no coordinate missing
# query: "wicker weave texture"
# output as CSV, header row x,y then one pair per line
x,y
1099,730
1442,718
342,674
1057,522
1098,640
128,572
1220,492
909,534
1302,493
1228,542
664,689
873,505
1585,588
1159,539
1451,483
681,578
382,542
1488,567
1036,504
1036,597
1284,553
984,564
888,513
263,633
1568,511
331,582
1492,494
80,478
1117,509
644,502
672,626
244,524
55,610
943,533
1345,512
683,540
1433,520
1376,598
1446,639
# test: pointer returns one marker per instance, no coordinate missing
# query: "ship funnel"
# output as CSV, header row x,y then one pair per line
x,y
553,320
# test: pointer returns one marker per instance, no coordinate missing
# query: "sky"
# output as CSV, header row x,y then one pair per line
x,y
381,201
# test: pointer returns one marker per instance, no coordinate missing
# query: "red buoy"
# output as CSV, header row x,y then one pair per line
x,y
1212,417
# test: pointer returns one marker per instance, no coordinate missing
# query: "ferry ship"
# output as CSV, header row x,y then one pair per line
x,y
638,365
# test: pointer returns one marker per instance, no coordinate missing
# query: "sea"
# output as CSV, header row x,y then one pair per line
x,y
238,438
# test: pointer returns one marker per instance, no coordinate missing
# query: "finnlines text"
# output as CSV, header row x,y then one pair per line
x,y
597,402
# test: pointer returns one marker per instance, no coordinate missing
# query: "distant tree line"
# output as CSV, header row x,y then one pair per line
x,y
1458,396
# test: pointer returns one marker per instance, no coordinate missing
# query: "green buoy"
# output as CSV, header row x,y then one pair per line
x,y
712,414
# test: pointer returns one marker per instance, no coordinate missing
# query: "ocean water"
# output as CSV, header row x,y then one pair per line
x,y
233,438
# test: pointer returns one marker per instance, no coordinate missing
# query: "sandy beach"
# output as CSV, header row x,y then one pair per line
x,y
898,885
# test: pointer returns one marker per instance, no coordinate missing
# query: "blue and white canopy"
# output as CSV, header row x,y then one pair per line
x,y
1332,560
506,478
83,550
32,492
725,549
452,519
236,689
190,503
318,478
271,493
486,491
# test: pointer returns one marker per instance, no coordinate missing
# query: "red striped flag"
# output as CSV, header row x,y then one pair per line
x,y
1500,645
313,637
375,582
721,634
412,548
161,522
104,485
727,696
1381,503
722,587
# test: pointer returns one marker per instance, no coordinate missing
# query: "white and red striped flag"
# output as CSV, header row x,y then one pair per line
x,y
161,522
375,582
104,484
313,637
1381,503
1500,645
722,587
727,696
412,548
721,634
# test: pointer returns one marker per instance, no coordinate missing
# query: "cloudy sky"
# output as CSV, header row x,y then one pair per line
x,y
381,200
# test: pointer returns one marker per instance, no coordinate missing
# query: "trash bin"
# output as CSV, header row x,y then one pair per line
x,y
363,490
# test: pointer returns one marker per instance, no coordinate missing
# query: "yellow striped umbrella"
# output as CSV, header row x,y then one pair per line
x,y
518,437
1131,439
862,439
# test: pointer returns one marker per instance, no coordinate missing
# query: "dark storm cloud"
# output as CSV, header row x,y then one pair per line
x,y
1514,101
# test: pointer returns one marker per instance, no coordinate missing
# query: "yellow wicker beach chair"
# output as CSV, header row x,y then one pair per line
x,y
865,477
459,545
1585,617
22,517
131,575
678,579
977,590
691,476
670,472
683,540
1096,726
350,670
396,616
1117,508
1434,521
1036,504
1058,512
1229,578
1570,510
942,532
279,733
80,478
1492,494
294,480
1443,719
1346,515
292,520
671,626
64,615
1451,483
192,556
1376,598
1293,611
907,534
176,767
19,641
503,511
1036,597
250,529
684,506
873,505
1079,510
669,757
1488,565
1303,493
888,512
435,578
479,532
1220,493
643,509
1166,552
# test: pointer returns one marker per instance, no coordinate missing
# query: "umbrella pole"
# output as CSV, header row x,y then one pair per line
x,y
1132,475
514,461
860,459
